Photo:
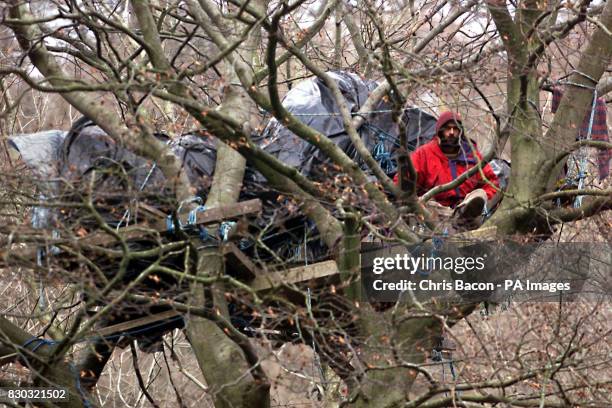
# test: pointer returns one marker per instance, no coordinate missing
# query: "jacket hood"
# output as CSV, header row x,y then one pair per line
x,y
446,117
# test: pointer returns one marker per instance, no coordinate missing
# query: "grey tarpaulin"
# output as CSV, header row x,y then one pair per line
x,y
123,176
501,168
198,155
312,102
87,148
40,151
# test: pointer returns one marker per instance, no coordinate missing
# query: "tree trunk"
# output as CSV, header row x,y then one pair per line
x,y
223,363
233,379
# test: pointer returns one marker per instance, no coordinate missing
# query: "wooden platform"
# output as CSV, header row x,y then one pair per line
x,y
261,281
238,263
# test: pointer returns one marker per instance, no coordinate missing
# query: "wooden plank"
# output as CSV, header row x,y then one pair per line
x,y
238,263
294,275
150,210
247,271
132,324
219,214
261,282
211,216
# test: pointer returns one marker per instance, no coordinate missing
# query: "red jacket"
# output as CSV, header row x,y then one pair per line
x,y
433,168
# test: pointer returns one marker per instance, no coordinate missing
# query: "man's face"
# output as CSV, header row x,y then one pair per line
x,y
451,131
450,134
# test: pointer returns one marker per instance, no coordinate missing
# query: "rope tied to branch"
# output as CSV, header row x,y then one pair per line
x,y
225,228
380,152
38,343
192,217
578,161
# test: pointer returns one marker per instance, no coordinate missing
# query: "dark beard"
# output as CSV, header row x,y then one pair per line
x,y
450,145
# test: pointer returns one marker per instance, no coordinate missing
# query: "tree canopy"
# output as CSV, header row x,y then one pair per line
x,y
146,72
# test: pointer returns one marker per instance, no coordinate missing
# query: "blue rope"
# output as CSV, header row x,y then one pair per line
x,y
170,224
380,152
225,228
192,218
383,157
39,342
437,242
244,244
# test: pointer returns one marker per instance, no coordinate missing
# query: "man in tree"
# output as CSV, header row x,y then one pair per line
x,y
446,157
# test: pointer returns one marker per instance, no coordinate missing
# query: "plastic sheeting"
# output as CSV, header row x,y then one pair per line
x,y
198,155
41,151
312,102
502,170
123,177
87,148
